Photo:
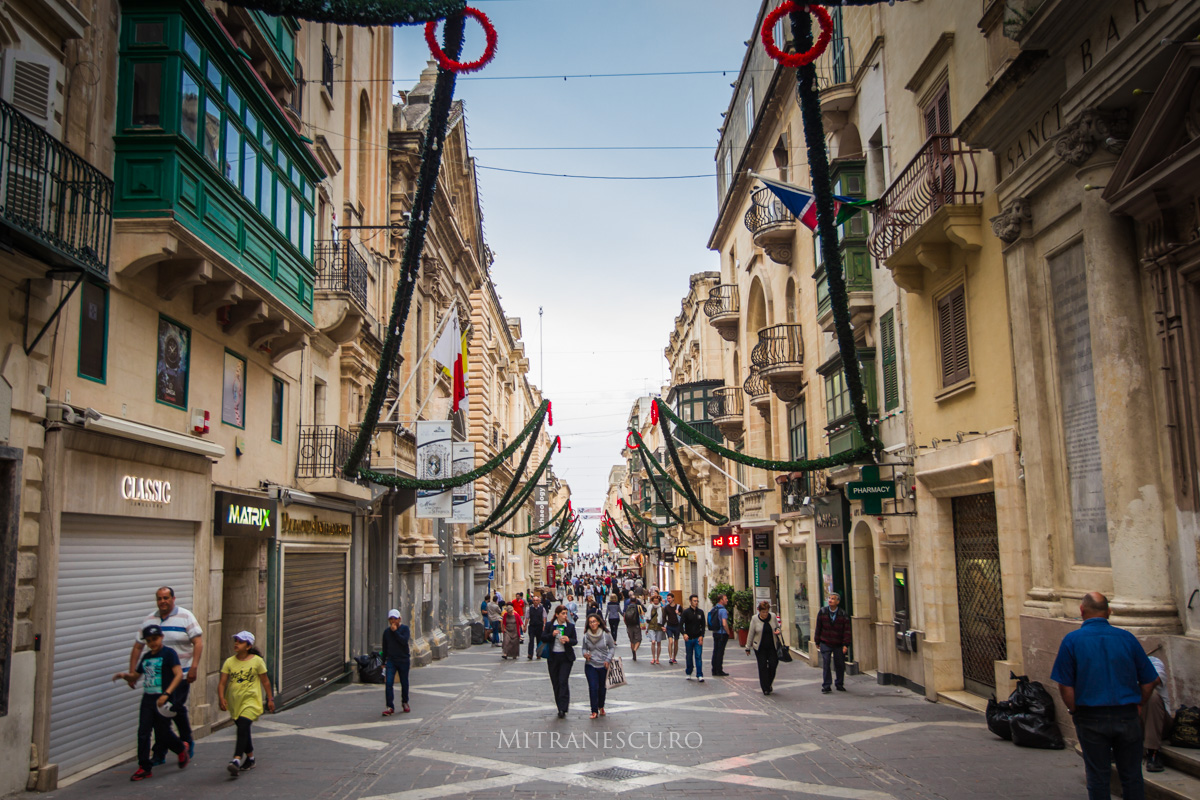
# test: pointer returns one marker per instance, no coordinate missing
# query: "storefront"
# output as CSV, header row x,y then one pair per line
x,y
309,566
832,526
131,517
244,528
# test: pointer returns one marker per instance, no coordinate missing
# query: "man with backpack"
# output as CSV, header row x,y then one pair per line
x,y
671,626
833,638
633,623
692,620
718,623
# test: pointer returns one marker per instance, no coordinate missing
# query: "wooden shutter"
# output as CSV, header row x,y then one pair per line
x,y
887,346
29,85
952,337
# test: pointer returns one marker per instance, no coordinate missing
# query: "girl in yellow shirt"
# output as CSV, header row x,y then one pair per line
x,y
241,676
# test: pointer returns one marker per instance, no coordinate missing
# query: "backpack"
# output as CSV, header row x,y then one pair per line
x,y
632,617
714,621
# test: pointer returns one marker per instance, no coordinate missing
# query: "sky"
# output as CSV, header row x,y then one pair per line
x,y
607,261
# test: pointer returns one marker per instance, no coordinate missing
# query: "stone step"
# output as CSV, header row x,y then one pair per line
x,y
1182,759
1171,784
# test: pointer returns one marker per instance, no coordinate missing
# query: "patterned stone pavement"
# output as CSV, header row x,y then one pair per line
x,y
484,728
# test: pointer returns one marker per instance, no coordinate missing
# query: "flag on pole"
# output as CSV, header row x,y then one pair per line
x,y
450,353
803,203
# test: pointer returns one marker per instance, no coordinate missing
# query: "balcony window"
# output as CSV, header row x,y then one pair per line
x,y
147,94
887,348
798,430
189,112
277,411
212,131
93,331
837,397
148,33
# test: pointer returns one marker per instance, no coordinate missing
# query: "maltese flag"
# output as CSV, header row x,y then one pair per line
x,y
451,353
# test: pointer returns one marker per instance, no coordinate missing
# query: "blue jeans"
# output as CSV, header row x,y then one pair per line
x,y
1106,735
390,670
495,632
839,665
150,721
597,678
695,648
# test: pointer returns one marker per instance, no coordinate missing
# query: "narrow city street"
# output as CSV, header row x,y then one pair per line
x,y
481,727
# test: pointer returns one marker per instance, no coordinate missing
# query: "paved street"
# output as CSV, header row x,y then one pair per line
x,y
477,723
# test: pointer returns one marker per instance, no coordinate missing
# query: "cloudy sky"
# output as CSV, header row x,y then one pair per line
x,y
607,260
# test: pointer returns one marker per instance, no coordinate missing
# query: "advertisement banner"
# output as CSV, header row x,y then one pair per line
x,y
463,457
434,462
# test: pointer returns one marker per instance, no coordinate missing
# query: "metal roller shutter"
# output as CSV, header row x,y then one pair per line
x,y
313,648
109,569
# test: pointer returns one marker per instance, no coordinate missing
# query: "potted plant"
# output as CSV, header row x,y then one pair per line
x,y
743,605
715,592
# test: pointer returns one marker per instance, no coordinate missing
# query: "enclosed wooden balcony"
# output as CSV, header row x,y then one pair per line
x,y
725,409
722,308
772,225
779,356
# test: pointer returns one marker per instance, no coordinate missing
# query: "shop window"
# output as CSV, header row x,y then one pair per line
x,y
147,94
93,332
277,410
952,336
887,347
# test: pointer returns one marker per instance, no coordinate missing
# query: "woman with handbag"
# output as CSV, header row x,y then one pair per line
x,y
598,651
559,636
763,639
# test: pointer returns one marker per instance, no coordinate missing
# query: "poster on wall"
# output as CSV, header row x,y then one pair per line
x,y
434,463
174,351
463,461
233,391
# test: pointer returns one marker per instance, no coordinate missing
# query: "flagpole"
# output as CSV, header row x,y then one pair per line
x,y
412,375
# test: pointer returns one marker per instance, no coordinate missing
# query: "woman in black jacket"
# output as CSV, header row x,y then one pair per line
x,y
559,634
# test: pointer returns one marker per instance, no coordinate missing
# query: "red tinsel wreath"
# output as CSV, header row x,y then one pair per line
x,y
629,441
808,56
446,62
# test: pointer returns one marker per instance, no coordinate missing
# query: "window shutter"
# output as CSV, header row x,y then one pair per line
x,y
961,361
952,337
887,344
29,85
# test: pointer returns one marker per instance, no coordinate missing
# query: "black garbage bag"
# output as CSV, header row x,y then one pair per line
x,y
478,633
1036,730
999,716
1186,731
370,668
1030,697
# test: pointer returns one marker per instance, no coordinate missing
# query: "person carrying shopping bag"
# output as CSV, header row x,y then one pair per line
x,y
598,651
559,634
763,639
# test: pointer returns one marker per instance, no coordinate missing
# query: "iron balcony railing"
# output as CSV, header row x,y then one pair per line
x,y
341,268
722,299
327,68
755,386
793,491
51,198
944,172
324,450
778,345
726,402
766,210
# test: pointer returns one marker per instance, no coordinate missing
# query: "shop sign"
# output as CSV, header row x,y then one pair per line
x,y
667,556
290,524
829,527
145,490
871,491
727,540
682,553
762,540
245,515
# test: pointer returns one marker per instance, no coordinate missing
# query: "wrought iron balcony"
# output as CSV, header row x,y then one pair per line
x,y
341,268
725,409
323,451
327,69
758,390
771,224
779,356
793,491
943,173
721,308
53,204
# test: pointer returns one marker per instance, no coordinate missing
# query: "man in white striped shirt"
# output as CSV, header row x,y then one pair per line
x,y
182,633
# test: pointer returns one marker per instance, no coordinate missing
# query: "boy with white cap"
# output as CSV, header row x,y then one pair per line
x,y
396,660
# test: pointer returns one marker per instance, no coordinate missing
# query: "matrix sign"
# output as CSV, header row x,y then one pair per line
x,y
727,540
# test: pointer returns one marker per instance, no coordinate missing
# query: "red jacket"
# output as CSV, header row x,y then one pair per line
x,y
833,632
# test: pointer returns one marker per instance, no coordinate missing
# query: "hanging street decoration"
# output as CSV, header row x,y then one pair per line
x,y
808,56
360,12
445,62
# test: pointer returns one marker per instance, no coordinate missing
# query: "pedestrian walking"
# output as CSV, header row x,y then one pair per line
x,y
671,628
537,622
633,623
244,682
573,609
518,605
1156,718
493,612
396,660
763,639
560,636
613,612
182,633
598,651
161,675
510,624
692,621
718,623
833,638
654,628
1105,679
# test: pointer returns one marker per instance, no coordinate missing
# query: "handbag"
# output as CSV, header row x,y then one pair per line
x,y
783,652
615,675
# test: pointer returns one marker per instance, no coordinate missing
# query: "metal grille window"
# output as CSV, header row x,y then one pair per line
x,y
327,69
980,590
953,354
887,349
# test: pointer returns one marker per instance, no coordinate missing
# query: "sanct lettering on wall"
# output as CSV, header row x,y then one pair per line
x,y
145,490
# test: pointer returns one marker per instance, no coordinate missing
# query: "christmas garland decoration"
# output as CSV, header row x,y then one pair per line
x,y
384,479
795,60
565,537
644,537
628,542
555,520
359,12
706,514
643,520
445,62
804,465
651,465
414,245
502,514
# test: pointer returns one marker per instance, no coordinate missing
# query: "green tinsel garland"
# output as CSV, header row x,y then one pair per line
x,y
651,464
764,463
645,521
555,520
706,514
502,514
628,542
384,479
359,12
414,245
561,540
642,539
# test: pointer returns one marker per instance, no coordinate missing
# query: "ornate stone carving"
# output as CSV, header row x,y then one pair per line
x,y
1095,128
1007,224
779,253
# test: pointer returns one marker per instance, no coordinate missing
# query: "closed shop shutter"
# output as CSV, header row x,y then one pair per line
x,y
109,569
313,648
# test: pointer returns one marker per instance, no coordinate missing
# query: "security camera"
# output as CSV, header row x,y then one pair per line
x,y
92,414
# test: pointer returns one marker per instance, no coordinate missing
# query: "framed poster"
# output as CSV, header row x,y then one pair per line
x,y
174,354
463,458
434,462
233,391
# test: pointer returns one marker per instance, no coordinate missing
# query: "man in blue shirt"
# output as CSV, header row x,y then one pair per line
x,y
1105,677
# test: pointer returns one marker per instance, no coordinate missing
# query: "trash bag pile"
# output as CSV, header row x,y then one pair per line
x,y
370,668
478,633
1186,729
1026,718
